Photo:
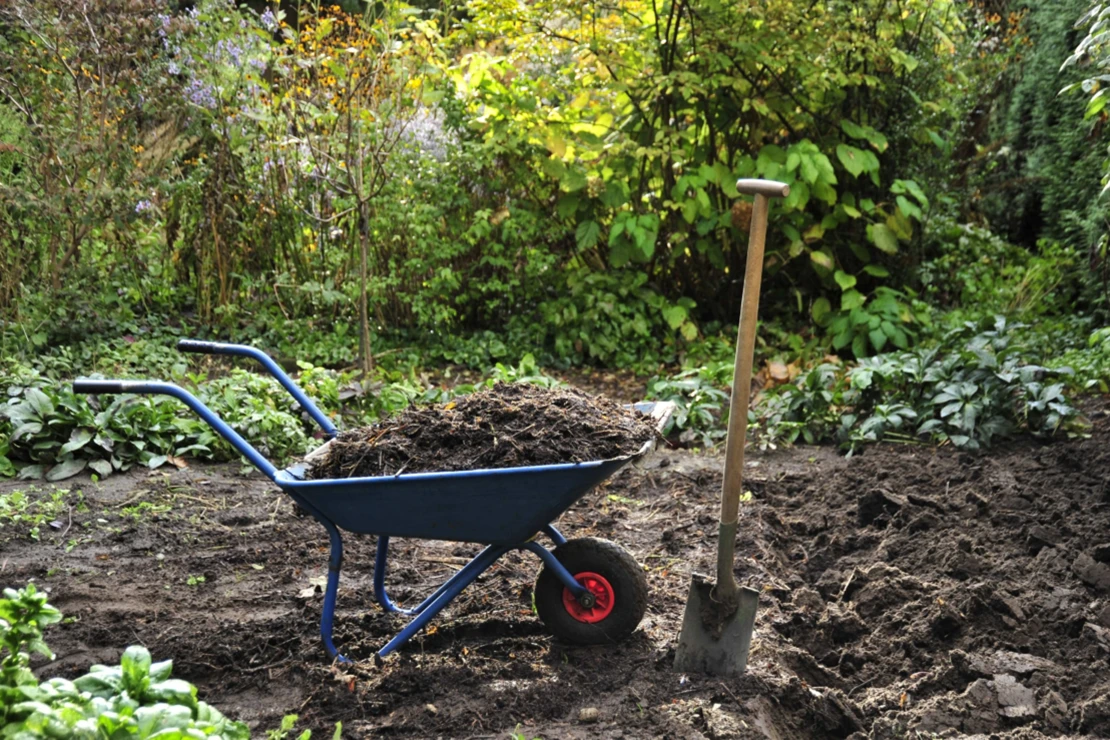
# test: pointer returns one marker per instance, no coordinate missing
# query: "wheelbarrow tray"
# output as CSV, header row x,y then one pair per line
x,y
497,506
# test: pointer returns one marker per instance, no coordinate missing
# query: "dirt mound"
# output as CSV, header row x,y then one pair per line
x,y
506,426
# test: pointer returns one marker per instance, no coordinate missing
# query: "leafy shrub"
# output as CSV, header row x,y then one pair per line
x,y
701,407
869,325
612,319
136,699
973,389
981,274
1090,365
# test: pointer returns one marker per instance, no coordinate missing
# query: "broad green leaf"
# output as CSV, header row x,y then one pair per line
x,y
77,439
574,180
586,234
822,259
567,205
31,472
878,339
876,271
883,238
844,280
103,468
907,208
674,315
859,346
65,469
40,402
809,170
30,428
851,158
851,299
820,310
557,145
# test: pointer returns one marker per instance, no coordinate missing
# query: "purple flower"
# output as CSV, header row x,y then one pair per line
x,y
143,205
200,94
269,22
173,69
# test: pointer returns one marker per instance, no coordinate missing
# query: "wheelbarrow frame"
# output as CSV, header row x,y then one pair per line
x,y
503,508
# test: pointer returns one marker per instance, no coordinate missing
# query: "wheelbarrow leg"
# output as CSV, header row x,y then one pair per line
x,y
331,590
556,567
446,593
379,578
335,562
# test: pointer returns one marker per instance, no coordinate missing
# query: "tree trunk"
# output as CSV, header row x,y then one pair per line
x,y
366,356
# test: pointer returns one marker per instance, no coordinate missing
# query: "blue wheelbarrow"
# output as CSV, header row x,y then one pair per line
x,y
589,591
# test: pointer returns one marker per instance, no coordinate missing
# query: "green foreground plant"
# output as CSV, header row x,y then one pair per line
x,y
136,699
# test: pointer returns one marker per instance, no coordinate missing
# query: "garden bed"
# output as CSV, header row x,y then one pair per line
x,y
908,589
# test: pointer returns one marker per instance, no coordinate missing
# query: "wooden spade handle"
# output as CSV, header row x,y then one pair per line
x,y
742,382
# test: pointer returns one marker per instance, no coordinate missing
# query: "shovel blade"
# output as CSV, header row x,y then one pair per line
x,y
711,642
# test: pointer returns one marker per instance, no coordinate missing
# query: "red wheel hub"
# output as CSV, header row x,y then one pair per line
x,y
603,595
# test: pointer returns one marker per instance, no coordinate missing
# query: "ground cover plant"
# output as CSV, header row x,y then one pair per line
x,y
136,698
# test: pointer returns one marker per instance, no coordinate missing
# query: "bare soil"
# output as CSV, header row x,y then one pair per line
x,y
907,592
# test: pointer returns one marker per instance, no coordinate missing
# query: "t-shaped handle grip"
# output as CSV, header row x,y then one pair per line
x,y
767,188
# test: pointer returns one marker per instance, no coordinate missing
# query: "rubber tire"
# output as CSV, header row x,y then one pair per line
x,y
609,560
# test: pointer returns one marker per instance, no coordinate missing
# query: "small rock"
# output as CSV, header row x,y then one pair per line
x,y
431,709
1094,714
587,715
1100,633
1055,710
962,564
1092,572
1014,700
979,502
1009,605
1010,663
1103,615
1040,537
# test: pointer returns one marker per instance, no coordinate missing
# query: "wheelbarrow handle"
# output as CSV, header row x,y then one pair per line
x,y
242,350
85,385
151,388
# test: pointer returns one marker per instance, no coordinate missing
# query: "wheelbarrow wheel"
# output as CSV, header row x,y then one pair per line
x,y
614,579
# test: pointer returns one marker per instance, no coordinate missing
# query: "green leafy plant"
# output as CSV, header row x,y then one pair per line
x,y
135,699
701,407
973,389
868,326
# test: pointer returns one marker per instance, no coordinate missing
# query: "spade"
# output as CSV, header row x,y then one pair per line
x,y
719,620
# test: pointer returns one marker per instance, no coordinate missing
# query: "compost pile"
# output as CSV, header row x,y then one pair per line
x,y
506,426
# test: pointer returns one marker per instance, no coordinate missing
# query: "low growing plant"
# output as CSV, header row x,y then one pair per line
x,y
135,699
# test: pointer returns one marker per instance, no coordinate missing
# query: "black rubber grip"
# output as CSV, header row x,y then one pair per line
x,y
205,348
98,386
